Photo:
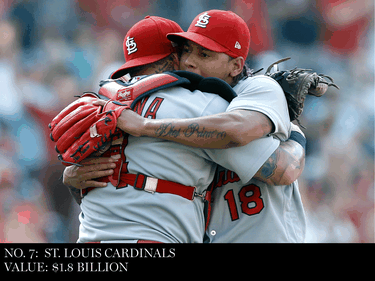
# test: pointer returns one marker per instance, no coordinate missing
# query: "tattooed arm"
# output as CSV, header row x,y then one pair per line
x,y
285,165
223,130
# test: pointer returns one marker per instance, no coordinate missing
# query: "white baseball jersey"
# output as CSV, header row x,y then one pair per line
x,y
242,211
126,214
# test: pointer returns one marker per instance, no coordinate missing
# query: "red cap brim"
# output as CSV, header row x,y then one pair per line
x,y
204,41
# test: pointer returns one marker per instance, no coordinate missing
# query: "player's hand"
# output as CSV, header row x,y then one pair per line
x,y
129,121
93,168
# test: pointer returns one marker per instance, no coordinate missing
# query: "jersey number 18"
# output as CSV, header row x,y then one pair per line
x,y
251,202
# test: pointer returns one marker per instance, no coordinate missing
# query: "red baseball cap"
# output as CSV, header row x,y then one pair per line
x,y
218,31
146,42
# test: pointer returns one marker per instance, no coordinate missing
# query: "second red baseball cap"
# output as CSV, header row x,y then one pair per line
x,y
218,31
146,42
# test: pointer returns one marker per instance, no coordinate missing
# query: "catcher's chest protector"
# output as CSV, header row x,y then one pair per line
x,y
121,91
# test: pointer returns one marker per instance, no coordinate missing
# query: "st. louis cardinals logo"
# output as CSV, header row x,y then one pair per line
x,y
131,46
203,20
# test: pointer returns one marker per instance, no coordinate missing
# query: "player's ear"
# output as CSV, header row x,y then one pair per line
x,y
176,61
236,66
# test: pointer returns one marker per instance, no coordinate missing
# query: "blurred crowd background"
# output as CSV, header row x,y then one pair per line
x,y
51,50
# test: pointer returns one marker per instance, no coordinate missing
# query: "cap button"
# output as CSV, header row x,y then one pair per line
x,y
146,17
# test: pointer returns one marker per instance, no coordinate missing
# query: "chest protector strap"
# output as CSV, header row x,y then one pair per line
x,y
119,90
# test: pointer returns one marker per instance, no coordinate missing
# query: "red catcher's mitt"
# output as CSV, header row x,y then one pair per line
x,y
83,128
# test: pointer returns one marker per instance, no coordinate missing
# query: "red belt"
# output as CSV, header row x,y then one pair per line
x,y
142,182
121,178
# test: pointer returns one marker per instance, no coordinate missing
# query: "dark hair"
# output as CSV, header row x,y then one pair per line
x,y
246,72
162,64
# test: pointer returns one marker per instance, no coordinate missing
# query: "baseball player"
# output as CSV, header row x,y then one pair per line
x,y
250,195
124,213
242,211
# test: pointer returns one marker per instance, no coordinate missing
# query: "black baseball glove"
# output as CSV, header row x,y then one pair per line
x,y
297,83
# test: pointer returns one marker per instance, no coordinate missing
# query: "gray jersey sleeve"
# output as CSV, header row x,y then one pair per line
x,y
246,160
263,94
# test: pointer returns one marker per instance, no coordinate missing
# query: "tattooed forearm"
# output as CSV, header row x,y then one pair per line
x,y
192,130
284,166
166,130
269,167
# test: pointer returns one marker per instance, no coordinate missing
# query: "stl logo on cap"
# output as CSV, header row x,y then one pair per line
x,y
203,20
131,46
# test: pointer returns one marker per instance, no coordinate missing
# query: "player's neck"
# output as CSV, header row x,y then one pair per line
x,y
148,71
